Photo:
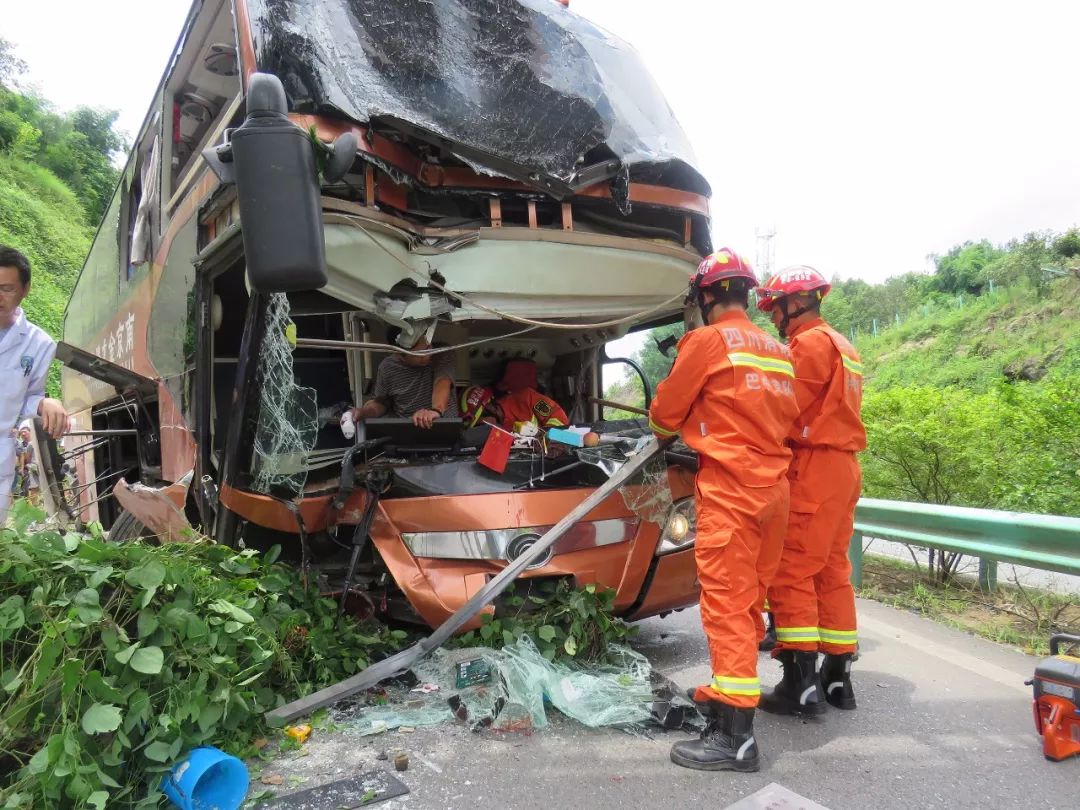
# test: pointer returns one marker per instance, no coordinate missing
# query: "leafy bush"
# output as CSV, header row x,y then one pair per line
x,y
564,622
119,658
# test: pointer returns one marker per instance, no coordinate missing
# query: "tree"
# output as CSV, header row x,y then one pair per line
x,y
963,269
11,66
933,445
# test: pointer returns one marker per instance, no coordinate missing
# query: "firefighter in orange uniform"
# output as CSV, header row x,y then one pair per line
x,y
811,597
731,395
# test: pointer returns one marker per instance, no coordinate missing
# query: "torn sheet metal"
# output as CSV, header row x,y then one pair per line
x,y
525,89
160,509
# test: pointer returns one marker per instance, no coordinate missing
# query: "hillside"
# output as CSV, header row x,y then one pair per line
x,y
1005,336
41,216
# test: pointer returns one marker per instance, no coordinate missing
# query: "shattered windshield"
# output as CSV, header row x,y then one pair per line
x,y
526,89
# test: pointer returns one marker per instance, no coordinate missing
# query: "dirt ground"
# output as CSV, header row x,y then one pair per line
x,y
1023,617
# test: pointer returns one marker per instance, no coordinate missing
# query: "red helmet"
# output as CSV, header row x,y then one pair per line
x,y
789,281
722,265
474,402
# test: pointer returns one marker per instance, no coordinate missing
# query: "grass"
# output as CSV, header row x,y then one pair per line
x,y
41,216
971,346
1016,615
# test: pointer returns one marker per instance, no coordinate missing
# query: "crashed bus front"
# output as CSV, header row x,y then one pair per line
x,y
520,187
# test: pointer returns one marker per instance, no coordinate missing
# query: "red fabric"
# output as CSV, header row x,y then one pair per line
x,y
828,390
731,394
519,374
528,403
812,587
496,451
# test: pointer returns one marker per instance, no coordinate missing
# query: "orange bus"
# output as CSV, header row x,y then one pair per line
x,y
504,171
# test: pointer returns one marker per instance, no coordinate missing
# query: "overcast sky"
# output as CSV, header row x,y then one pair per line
x,y
868,134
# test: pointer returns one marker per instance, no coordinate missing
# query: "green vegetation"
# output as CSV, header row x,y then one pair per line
x,y
117,658
564,622
56,178
1015,614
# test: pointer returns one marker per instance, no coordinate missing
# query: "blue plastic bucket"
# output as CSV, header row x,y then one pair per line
x,y
207,779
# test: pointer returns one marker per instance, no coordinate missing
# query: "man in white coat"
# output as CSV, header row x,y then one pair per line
x,y
25,354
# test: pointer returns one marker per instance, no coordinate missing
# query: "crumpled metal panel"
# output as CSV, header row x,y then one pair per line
x,y
521,88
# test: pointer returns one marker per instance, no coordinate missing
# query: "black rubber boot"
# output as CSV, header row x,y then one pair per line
x,y
799,691
836,680
767,643
726,744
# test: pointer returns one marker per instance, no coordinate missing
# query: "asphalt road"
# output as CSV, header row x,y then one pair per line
x,y
944,720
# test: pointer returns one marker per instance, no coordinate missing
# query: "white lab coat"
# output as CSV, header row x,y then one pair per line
x,y
25,355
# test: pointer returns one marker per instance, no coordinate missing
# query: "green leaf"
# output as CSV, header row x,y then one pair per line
x,y
147,576
158,751
12,616
98,799
11,680
272,555
71,676
546,633
88,606
39,762
209,716
229,609
99,577
570,646
100,690
101,717
124,656
148,623
148,660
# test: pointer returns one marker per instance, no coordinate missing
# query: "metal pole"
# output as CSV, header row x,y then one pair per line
x,y
855,555
987,575
130,432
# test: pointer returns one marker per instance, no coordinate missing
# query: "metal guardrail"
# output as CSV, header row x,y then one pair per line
x,y
1048,542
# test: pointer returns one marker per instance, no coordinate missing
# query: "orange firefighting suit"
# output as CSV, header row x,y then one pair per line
x,y
527,404
813,604
731,395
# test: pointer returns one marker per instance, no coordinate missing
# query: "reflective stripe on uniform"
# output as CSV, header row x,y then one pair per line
x,y
854,366
655,428
797,634
762,363
838,636
729,685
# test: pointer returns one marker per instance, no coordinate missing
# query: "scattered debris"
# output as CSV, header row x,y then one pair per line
x,y
382,756
426,688
299,733
506,691
358,791
273,779
401,762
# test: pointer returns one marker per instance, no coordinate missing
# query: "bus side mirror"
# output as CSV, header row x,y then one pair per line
x,y
272,163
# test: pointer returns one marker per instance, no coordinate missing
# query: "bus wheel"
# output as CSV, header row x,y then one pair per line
x,y
126,528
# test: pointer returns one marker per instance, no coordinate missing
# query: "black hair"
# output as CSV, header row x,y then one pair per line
x,y
392,334
735,291
10,257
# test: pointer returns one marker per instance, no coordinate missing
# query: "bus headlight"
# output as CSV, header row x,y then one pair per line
x,y
680,529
